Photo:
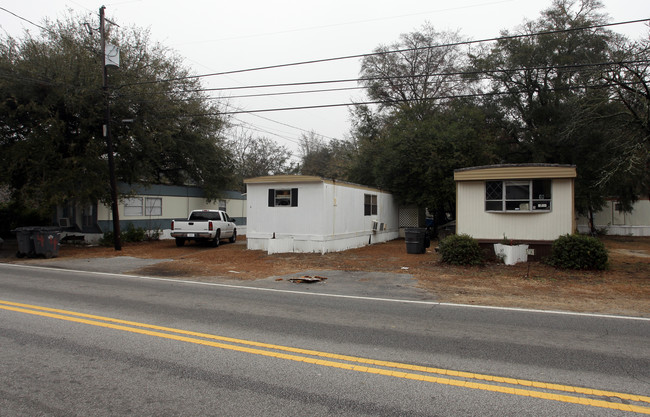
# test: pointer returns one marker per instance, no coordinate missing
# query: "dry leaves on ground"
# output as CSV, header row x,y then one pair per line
x,y
623,289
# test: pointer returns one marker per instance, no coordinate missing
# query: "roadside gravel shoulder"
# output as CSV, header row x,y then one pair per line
x,y
385,270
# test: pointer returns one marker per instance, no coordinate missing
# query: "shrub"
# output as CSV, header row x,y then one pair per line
x,y
131,234
107,239
578,252
461,250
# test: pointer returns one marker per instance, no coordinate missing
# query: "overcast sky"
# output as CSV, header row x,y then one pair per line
x,y
217,36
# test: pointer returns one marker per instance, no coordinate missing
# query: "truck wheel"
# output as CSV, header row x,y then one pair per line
x,y
233,238
180,242
215,241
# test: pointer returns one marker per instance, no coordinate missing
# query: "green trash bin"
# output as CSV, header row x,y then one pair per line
x,y
46,241
415,240
38,240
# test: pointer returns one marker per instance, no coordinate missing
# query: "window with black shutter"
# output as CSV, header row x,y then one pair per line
x,y
283,197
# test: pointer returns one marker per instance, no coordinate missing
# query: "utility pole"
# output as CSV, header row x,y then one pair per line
x,y
107,135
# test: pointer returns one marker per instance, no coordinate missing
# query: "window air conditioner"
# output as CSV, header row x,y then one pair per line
x,y
64,222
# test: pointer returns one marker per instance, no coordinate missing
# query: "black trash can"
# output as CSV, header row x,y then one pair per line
x,y
38,240
24,240
415,240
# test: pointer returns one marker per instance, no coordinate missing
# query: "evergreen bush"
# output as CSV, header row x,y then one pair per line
x,y
131,234
461,250
108,239
578,252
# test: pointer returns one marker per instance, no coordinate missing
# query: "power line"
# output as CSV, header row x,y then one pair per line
x,y
280,123
317,61
359,56
46,82
348,80
258,129
435,74
324,90
413,76
13,76
439,98
25,19
351,56
254,112
320,82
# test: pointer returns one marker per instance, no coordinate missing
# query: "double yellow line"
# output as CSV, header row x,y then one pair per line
x,y
521,387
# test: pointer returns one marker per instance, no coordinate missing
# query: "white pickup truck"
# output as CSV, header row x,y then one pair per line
x,y
204,226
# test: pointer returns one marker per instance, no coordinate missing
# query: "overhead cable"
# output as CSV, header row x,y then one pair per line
x,y
413,76
447,45
449,97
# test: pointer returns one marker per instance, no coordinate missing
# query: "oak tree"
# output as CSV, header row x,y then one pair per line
x,y
52,111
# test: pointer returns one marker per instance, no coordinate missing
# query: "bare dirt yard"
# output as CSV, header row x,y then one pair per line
x,y
623,289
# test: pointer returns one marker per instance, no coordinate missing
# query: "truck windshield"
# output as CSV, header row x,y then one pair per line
x,y
205,215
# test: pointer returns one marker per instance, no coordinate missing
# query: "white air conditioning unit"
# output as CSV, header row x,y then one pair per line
x,y
64,222
375,225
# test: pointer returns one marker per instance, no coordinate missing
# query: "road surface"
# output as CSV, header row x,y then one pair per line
x,y
82,343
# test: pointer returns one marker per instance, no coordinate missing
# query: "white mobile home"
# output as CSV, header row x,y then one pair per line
x,y
528,203
614,221
296,213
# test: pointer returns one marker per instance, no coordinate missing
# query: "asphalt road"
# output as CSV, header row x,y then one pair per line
x,y
81,343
